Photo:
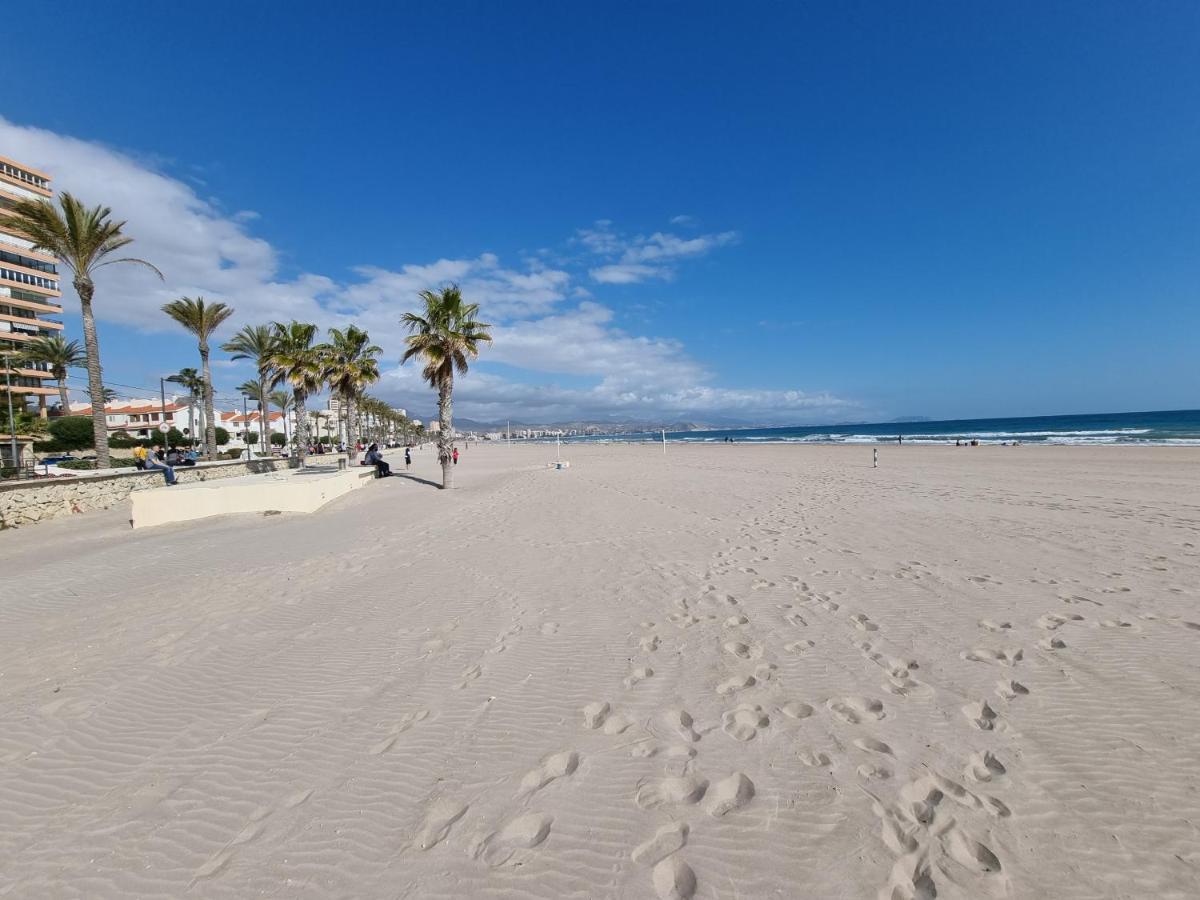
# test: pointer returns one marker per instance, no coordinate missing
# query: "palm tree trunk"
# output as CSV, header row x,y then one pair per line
x,y
264,415
210,424
62,397
85,289
446,432
351,434
301,425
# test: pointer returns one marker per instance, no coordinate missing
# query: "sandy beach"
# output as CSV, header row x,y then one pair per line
x,y
728,672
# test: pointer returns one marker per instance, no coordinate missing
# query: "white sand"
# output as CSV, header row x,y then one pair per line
x,y
746,672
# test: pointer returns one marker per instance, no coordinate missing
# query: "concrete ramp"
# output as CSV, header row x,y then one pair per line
x,y
296,490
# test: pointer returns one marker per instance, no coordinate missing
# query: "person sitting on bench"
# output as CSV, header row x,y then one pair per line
x,y
375,458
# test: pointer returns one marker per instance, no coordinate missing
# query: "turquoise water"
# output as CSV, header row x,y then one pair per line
x,y
1177,427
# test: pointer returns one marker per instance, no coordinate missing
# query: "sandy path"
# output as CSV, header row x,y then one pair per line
x,y
753,672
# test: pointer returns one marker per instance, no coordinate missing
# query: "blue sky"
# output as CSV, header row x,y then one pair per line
x,y
776,213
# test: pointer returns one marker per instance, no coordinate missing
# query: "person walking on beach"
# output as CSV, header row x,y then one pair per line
x,y
154,461
407,458
454,456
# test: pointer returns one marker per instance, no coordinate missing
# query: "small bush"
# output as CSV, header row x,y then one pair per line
x,y
91,463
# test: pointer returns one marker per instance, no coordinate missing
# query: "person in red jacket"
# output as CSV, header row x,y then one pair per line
x,y
454,456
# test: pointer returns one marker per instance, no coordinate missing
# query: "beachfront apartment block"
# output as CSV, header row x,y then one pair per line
x,y
29,289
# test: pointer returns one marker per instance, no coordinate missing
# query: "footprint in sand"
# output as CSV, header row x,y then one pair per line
x,y
405,723
828,605
981,715
674,879
863,623
680,722
637,676
989,625
667,840
1006,657
967,851
1051,621
874,772
794,709
796,620
743,650
1052,643
873,746
798,646
553,767
684,790
736,621
813,758
439,819
649,643
729,794
1009,689
521,834
743,722
983,767
853,710
735,684
468,676
595,714
549,628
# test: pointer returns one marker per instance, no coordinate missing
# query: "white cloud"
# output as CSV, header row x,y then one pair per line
x,y
629,273
640,258
548,327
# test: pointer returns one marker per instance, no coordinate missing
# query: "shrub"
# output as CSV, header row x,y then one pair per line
x,y
71,433
222,436
277,439
121,439
91,463
231,454
251,437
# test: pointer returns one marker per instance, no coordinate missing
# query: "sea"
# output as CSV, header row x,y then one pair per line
x,y
1167,428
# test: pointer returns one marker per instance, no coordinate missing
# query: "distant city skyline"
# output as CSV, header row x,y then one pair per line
x,y
770,215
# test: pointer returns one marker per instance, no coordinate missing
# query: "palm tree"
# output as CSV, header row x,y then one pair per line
x,y
190,380
351,363
283,400
445,338
318,416
255,390
57,354
297,363
202,318
84,240
107,395
254,342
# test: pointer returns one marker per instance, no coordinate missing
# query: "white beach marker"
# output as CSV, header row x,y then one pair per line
x,y
664,434
874,457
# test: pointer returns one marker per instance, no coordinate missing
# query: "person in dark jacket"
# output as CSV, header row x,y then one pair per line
x,y
375,458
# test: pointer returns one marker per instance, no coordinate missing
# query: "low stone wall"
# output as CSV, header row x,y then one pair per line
x,y
28,502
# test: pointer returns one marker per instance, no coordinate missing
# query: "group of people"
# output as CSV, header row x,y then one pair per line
x,y
374,457
165,461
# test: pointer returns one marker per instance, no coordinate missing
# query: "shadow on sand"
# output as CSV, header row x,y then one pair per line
x,y
416,479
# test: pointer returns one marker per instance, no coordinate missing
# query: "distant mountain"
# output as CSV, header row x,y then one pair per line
x,y
908,419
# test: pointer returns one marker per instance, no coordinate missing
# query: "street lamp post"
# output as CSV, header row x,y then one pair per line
x,y
12,419
245,425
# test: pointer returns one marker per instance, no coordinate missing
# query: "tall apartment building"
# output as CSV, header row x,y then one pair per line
x,y
29,288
